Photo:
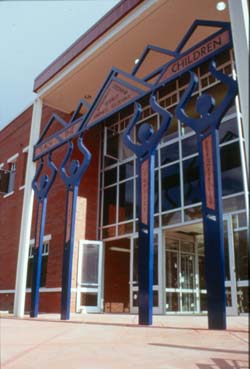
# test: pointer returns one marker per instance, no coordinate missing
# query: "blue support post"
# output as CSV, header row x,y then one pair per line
x,y
145,152
71,178
41,192
206,128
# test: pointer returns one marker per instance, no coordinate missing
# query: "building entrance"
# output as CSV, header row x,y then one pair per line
x,y
185,286
116,276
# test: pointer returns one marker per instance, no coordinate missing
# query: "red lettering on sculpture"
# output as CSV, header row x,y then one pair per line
x,y
208,165
144,191
115,96
196,55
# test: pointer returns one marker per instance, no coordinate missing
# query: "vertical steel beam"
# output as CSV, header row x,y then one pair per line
x,y
206,128
71,178
145,152
41,191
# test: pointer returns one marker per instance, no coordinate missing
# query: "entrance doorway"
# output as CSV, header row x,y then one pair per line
x,y
116,276
185,285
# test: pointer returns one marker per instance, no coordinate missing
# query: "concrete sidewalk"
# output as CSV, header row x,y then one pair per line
x,y
108,341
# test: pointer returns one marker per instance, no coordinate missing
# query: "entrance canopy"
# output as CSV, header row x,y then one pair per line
x,y
160,23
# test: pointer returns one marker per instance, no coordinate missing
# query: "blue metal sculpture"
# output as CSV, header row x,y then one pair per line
x,y
41,192
71,178
206,128
145,152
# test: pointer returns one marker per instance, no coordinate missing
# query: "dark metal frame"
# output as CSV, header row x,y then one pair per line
x,y
207,142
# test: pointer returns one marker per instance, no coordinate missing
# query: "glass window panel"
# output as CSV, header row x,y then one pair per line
x,y
189,146
172,217
156,199
192,213
217,91
233,203
228,130
126,170
232,181
170,187
172,131
169,153
90,259
89,299
112,143
172,244
172,301
243,299
108,232
125,152
241,255
125,228
167,89
109,206
203,302
110,177
202,279
191,176
171,269
188,302
126,200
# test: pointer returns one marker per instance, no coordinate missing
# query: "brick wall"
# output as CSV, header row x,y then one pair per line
x,y
13,139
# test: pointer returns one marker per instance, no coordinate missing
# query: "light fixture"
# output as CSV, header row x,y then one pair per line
x,y
87,96
221,5
136,61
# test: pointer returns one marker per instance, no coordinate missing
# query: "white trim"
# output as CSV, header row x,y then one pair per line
x,y
42,289
21,188
26,149
46,238
1,165
239,18
26,220
8,194
98,45
13,158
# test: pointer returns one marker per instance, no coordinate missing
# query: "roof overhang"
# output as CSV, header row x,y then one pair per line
x,y
130,27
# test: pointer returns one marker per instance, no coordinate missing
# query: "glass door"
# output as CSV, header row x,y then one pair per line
x,y
157,286
187,283
89,284
180,276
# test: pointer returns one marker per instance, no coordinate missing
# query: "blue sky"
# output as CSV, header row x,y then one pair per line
x,y
32,35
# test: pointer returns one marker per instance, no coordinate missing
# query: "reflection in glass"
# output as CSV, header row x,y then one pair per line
x,y
241,255
89,299
191,176
90,260
172,301
110,177
189,145
109,206
171,269
193,213
243,299
126,200
126,170
233,203
228,130
170,184
172,217
169,153
232,181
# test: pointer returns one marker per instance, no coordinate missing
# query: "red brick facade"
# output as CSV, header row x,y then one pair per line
x,y
13,139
